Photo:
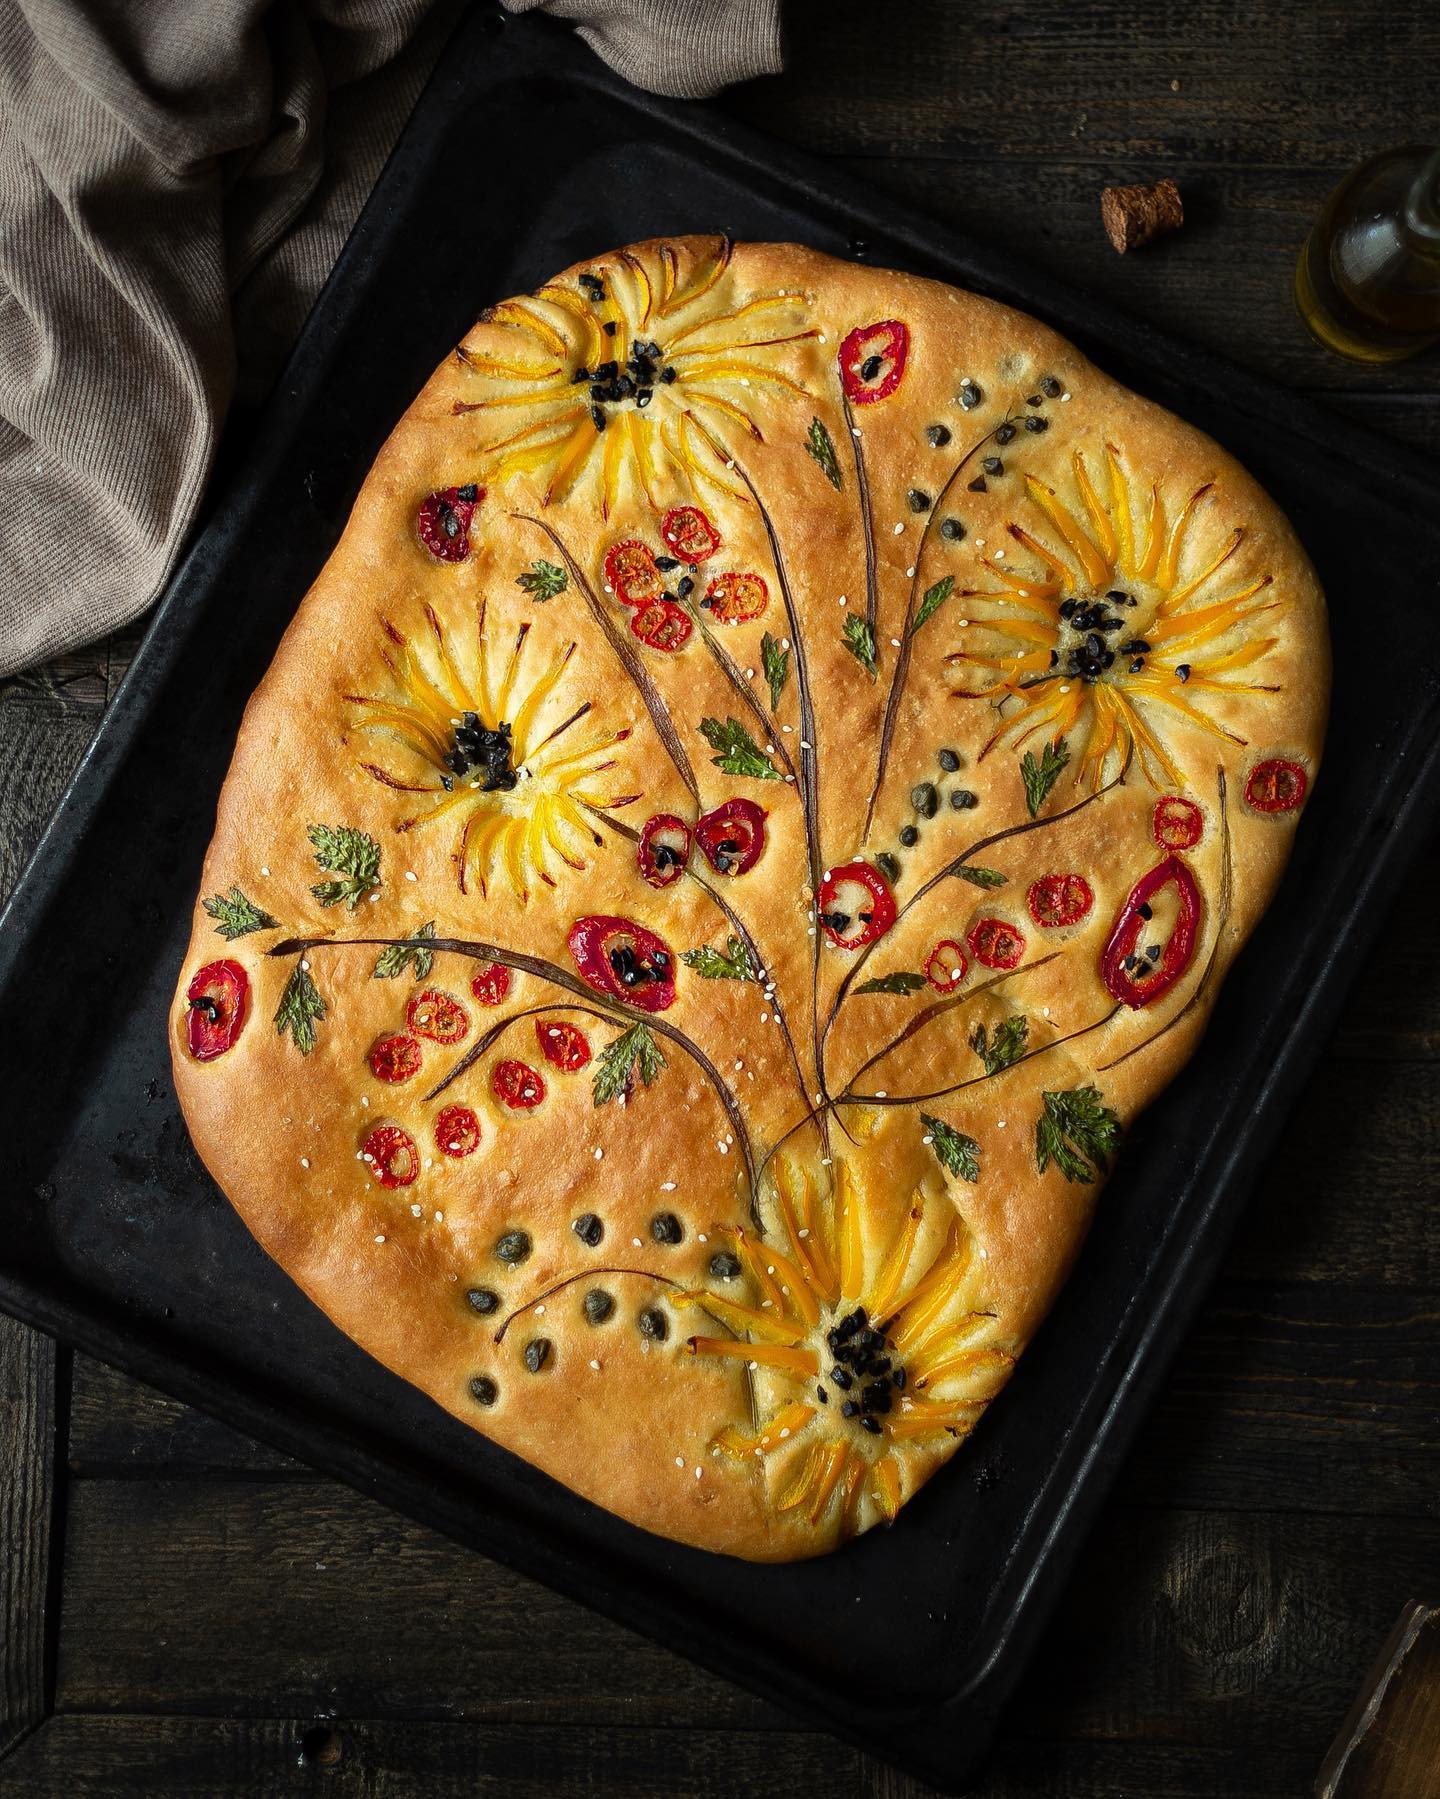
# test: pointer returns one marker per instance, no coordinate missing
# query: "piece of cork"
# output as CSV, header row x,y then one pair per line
x,y
1133,215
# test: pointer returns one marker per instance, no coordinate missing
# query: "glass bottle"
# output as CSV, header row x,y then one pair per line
x,y
1368,279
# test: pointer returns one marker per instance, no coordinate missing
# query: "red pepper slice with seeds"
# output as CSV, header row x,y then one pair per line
x,y
517,1085
564,1046
996,944
1059,900
438,1016
856,905
731,599
395,1058
491,986
872,360
444,521
218,999
1178,824
1278,785
689,534
732,836
1137,977
946,966
624,961
457,1132
632,574
663,625
664,849
394,1160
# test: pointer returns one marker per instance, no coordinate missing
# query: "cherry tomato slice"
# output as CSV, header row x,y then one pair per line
x,y
732,599
946,966
395,1058
218,999
491,986
689,534
996,944
1138,979
394,1160
664,849
1276,786
457,1132
732,836
1057,900
663,625
856,905
563,1046
624,961
1178,823
444,521
631,572
438,1016
872,360
517,1085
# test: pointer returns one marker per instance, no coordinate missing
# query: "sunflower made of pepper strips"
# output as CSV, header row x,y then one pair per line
x,y
1116,620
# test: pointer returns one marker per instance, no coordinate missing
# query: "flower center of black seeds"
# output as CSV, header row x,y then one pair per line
x,y
1093,635
634,383
478,747
865,1374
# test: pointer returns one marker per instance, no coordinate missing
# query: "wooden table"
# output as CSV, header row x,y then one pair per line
x,y
185,1611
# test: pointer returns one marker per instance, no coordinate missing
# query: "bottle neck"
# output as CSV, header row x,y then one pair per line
x,y
1422,203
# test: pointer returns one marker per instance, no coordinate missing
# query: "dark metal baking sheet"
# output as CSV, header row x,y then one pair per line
x,y
115,1238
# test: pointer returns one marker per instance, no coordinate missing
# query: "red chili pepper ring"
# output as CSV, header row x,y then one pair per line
x,y
1138,977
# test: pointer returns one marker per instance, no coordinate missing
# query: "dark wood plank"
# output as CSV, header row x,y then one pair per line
x,y
1389,1745
1038,1768
120,1427
27,1418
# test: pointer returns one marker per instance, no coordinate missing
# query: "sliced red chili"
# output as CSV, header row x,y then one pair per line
x,y
996,944
1277,785
457,1132
732,598
218,999
444,521
663,625
946,966
394,1160
563,1046
632,574
1056,900
1137,975
624,961
491,986
872,360
1178,824
395,1058
664,849
517,1085
732,836
689,534
438,1016
856,905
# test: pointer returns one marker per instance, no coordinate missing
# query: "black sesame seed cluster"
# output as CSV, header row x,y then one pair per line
x,y
613,385
475,746
1085,651
864,1377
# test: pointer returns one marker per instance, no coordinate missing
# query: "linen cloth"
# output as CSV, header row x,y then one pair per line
x,y
176,179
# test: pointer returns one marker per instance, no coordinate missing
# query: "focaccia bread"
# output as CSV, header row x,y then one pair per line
x,y
766,788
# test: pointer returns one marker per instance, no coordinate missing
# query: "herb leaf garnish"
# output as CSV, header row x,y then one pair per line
x,y
395,958
300,1006
1039,777
981,877
932,600
729,964
902,981
777,667
860,641
954,1151
543,581
237,915
822,447
1007,1045
739,754
633,1052
1078,1132
351,854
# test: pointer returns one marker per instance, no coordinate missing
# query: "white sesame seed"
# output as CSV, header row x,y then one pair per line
x,y
749,674
594,1364
701,1237
439,1218
410,875
599,1155
784,643
1064,687
679,1461
899,527
854,430
895,642
785,1433
964,624
539,1311
1063,397
264,870
305,963
667,1186
374,897
698,1469
979,543
304,1161
380,1238
724,1148
415,1211
1001,1123
910,573
999,555
882,1093
364,1099
635,1242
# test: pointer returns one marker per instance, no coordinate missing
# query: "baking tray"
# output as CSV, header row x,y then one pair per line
x,y
115,1238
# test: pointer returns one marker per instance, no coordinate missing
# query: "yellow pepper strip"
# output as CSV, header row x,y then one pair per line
x,y
1154,534
836,1457
852,1241
1120,505
799,1362
797,1490
1099,517
1095,567
1062,579
892,1270
1170,561
737,1317
785,1423
960,1417
885,1479
977,1361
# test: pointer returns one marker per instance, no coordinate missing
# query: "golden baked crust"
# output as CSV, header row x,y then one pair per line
x,y
940,529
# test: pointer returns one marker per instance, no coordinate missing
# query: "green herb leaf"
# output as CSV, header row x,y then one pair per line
x,y
353,855
821,446
1006,1046
395,958
1078,1132
777,667
633,1052
300,1006
954,1151
860,641
1039,777
237,915
981,877
729,964
739,754
932,600
899,982
543,581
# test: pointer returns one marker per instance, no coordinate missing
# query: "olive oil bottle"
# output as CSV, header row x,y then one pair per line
x,y
1368,280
